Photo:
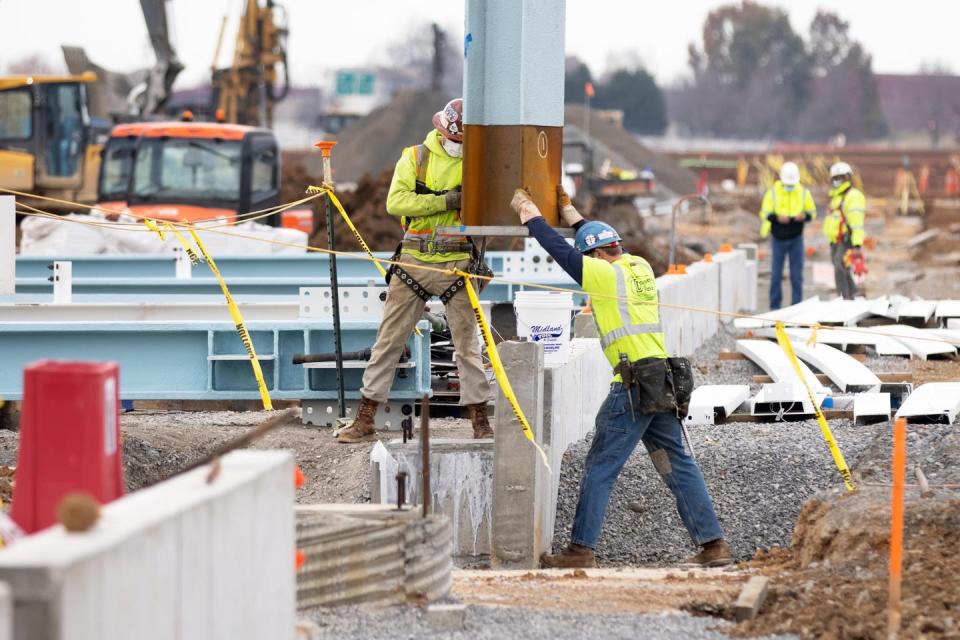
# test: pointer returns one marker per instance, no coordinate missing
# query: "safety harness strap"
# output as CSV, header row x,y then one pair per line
x,y
422,292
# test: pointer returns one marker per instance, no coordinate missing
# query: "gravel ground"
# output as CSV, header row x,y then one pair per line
x,y
758,474
513,622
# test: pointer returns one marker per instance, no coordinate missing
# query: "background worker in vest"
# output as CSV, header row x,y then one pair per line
x,y
425,195
647,392
786,207
843,227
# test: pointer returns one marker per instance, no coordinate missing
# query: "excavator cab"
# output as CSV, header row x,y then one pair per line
x,y
190,170
46,136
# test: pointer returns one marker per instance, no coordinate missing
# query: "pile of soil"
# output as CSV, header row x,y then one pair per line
x,y
619,140
833,581
366,205
373,143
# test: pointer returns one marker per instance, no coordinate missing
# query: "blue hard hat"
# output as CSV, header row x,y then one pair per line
x,y
594,235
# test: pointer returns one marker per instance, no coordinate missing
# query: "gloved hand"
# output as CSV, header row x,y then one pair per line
x,y
568,213
524,206
453,200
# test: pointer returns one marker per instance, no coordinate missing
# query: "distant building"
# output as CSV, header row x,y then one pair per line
x,y
351,94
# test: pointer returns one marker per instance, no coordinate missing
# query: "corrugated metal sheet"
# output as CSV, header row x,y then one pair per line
x,y
376,558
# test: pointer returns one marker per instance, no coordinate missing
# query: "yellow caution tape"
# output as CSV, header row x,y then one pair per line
x,y
812,340
356,233
842,467
153,226
498,369
238,321
346,218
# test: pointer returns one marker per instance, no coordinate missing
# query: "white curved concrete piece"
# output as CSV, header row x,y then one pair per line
x,y
787,388
842,338
771,358
710,401
917,310
848,374
771,317
934,402
843,312
871,407
947,309
916,340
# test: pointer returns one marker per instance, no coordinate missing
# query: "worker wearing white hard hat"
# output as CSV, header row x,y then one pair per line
x,y
787,206
843,227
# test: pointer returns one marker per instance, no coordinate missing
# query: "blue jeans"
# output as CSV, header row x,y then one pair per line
x,y
615,437
782,249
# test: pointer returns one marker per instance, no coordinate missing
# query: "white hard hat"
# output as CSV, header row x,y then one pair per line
x,y
840,169
790,174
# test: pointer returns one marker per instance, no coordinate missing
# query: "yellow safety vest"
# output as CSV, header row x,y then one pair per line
x,y
630,323
848,209
422,213
778,201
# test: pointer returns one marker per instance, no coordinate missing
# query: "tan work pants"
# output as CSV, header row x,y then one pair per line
x,y
400,315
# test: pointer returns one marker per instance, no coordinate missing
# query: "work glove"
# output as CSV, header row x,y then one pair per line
x,y
524,206
568,213
453,200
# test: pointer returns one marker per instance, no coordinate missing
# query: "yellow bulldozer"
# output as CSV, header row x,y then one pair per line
x,y
47,143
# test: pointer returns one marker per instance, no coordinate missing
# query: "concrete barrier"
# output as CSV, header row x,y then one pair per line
x,y
183,559
734,289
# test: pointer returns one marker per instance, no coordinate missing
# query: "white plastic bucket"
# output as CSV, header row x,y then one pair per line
x,y
544,317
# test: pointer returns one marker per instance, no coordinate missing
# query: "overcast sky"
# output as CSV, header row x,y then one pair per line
x,y
327,34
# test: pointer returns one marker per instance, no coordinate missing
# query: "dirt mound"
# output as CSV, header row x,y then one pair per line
x,y
373,143
669,175
637,240
833,583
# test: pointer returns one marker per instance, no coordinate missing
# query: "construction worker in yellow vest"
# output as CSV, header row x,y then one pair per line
x,y
425,195
647,395
786,207
843,227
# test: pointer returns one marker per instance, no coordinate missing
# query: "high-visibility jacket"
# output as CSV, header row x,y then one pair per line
x,y
422,213
629,323
848,208
796,204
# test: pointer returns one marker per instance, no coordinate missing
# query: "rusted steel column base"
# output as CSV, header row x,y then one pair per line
x,y
498,159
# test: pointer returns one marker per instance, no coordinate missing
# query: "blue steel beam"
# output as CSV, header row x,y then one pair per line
x,y
206,361
150,289
293,265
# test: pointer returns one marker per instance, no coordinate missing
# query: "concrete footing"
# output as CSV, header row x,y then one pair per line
x,y
372,555
461,480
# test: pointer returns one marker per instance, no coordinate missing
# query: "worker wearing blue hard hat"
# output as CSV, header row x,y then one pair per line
x,y
648,395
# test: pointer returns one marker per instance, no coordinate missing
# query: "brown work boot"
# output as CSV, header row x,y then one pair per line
x,y
362,429
715,553
480,420
575,556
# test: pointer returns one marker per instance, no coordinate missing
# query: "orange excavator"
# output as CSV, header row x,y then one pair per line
x,y
189,170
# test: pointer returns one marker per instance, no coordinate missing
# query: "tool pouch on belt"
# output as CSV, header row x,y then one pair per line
x,y
681,374
394,258
653,385
480,268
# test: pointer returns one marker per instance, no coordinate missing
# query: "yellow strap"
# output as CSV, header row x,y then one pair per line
x,y
346,218
784,342
238,321
498,370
